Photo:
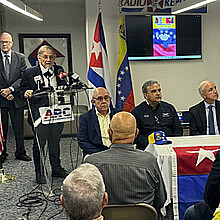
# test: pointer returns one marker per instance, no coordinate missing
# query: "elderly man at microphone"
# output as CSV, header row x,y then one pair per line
x,y
37,87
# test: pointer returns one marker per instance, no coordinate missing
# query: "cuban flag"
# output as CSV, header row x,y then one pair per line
x,y
98,73
1,135
124,90
193,166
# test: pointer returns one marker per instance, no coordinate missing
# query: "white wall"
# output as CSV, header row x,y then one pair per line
x,y
65,18
179,79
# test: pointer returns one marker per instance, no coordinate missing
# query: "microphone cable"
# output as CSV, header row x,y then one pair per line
x,y
37,199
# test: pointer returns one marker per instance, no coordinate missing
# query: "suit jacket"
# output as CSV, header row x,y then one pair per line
x,y
17,68
212,188
89,134
29,83
197,118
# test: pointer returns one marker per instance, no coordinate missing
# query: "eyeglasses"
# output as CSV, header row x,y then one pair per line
x,y
48,57
100,98
5,42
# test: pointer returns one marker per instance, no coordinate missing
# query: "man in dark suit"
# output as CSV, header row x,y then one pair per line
x,y
93,125
11,71
204,118
38,78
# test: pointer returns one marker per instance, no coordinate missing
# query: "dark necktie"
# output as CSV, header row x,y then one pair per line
x,y
211,121
7,65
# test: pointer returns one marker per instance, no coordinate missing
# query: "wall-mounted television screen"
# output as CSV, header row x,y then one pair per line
x,y
163,37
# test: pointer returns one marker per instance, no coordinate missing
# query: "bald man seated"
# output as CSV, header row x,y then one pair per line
x,y
130,175
204,118
93,125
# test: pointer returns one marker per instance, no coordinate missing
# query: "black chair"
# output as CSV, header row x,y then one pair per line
x,y
139,211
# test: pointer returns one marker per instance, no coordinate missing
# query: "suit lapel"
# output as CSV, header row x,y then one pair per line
x,y
217,105
39,72
2,68
14,64
202,115
95,121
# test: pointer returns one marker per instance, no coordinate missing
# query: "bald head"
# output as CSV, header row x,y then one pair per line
x,y
122,128
99,90
6,42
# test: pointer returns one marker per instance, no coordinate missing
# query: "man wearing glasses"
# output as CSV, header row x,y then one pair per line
x,y
93,125
42,77
155,115
11,70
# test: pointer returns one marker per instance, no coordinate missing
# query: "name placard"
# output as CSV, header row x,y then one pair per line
x,y
55,114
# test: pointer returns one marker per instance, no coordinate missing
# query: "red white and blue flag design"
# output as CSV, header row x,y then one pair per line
x,y
1,135
193,167
32,58
124,90
98,73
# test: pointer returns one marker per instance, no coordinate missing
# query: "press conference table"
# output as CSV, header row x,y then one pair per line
x,y
186,150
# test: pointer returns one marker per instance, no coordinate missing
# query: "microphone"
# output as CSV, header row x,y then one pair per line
x,y
78,83
63,76
38,81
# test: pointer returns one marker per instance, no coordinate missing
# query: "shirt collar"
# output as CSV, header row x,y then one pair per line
x,y
98,113
3,54
207,105
126,146
44,70
150,105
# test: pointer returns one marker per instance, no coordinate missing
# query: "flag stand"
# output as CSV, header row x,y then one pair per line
x,y
5,178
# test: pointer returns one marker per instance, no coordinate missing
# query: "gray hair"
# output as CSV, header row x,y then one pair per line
x,y
44,48
147,84
83,193
202,86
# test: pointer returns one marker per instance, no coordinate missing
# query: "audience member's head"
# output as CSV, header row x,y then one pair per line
x,y
122,128
101,100
6,42
152,92
84,194
46,56
208,91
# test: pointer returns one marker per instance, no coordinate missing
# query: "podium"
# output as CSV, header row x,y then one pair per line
x,y
69,127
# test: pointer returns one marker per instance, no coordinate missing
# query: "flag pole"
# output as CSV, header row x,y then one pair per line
x,y
119,5
100,6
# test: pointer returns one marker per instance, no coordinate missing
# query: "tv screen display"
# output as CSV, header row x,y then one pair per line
x,y
163,37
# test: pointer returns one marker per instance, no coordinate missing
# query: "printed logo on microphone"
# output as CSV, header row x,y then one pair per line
x,y
38,79
62,75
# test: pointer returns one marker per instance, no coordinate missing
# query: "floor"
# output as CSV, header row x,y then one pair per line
x,y
23,198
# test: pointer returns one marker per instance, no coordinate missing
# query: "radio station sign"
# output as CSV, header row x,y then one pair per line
x,y
152,6
55,114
